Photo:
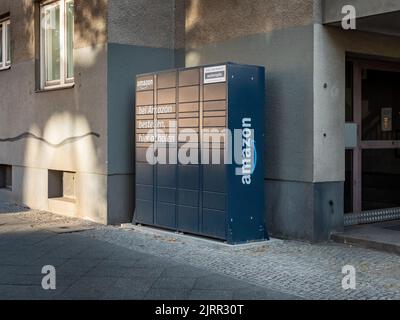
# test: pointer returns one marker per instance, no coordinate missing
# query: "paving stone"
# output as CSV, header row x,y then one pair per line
x,y
216,282
72,270
174,283
13,292
81,263
167,294
261,294
108,262
297,269
118,294
184,271
93,253
21,280
89,288
133,284
210,295
120,263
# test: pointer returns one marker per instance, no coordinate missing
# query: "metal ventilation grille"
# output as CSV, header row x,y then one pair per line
x,y
373,216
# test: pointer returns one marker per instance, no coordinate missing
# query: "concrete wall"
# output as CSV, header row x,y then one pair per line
x,y
219,31
305,91
62,130
280,36
331,46
143,35
364,8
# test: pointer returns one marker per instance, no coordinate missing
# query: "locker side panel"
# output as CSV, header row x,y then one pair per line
x,y
246,98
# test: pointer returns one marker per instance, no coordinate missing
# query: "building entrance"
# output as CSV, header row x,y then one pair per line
x,y
372,188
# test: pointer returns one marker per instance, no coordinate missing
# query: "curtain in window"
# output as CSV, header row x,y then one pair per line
x,y
1,46
52,43
70,38
8,42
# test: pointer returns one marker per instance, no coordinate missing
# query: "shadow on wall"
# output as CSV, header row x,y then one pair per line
x,y
284,47
209,21
60,130
90,22
90,25
66,144
208,43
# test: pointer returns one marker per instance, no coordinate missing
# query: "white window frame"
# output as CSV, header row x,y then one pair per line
x,y
63,81
5,63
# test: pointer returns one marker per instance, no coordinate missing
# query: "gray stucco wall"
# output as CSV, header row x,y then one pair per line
x,y
149,23
63,130
124,63
287,55
209,21
142,38
286,48
299,204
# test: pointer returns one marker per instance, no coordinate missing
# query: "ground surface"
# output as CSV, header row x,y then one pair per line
x,y
96,262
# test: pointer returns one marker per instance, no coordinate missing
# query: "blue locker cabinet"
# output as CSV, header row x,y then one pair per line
x,y
175,110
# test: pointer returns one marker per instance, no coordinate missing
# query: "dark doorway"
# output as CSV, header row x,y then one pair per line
x,y
373,166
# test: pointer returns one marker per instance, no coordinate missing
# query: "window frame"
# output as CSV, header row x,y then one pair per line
x,y
63,81
5,63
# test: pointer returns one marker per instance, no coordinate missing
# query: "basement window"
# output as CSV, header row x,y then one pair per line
x,y
5,44
61,185
6,177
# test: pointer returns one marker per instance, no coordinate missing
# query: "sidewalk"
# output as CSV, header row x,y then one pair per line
x,y
104,262
89,268
384,236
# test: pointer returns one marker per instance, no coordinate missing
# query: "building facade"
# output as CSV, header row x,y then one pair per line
x,y
67,97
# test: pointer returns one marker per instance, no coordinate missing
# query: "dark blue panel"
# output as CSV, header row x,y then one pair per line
x,y
166,195
166,176
144,212
246,91
166,215
188,219
216,201
188,198
144,173
214,178
144,192
214,223
188,177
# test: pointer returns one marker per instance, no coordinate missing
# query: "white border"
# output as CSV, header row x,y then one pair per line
x,y
215,69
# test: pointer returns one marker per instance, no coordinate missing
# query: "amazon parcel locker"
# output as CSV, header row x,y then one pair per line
x,y
179,184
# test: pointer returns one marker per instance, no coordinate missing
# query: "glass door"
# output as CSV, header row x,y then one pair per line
x,y
375,162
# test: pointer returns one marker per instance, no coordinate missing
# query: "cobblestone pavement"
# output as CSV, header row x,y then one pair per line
x,y
294,268
90,268
305,270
